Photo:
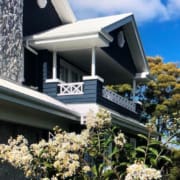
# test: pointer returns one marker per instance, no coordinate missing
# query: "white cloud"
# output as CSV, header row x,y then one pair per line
x,y
173,7
144,10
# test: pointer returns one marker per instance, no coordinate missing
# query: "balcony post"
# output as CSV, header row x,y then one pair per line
x,y
54,70
93,62
134,89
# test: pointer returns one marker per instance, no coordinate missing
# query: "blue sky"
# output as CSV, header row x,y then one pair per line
x,y
158,22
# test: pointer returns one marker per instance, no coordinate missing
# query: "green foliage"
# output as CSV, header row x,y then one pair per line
x,y
122,89
100,152
175,169
161,97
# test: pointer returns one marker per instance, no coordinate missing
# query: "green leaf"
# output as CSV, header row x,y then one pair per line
x,y
153,162
154,142
166,158
154,151
143,136
94,170
123,164
139,149
115,150
101,167
108,174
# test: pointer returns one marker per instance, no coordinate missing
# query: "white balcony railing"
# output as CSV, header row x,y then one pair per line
x,y
70,88
117,99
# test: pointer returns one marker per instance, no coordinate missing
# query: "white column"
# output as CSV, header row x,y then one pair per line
x,y
93,62
54,70
134,89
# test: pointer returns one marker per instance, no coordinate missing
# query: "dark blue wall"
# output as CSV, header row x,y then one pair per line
x,y
121,55
92,94
36,19
37,68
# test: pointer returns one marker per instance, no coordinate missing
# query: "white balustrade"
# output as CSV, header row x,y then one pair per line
x,y
70,88
117,99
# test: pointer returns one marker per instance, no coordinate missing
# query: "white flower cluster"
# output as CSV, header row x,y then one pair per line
x,y
60,154
17,153
139,171
98,121
120,140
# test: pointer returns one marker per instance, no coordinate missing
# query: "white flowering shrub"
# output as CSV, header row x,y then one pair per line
x,y
139,171
100,120
57,158
120,140
100,152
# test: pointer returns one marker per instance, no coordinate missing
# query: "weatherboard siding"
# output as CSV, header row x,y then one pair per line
x,y
92,93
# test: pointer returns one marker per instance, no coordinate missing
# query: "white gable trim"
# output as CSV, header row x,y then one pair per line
x,y
64,11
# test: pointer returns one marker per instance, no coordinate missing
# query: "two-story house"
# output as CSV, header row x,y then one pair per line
x,y
55,68
62,63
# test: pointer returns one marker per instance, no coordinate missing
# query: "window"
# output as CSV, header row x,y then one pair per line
x,y
63,73
69,73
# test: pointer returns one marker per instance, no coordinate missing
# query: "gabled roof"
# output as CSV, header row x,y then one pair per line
x,y
83,28
85,34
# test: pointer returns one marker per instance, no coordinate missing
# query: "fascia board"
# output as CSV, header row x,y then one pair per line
x,y
64,11
39,37
118,24
137,44
129,123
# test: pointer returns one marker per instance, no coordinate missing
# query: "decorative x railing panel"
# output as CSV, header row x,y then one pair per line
x,y
70,88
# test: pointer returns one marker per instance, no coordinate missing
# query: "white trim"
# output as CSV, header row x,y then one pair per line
x,y
64,11
119,100
30,48
71,89
93,78
54,70
93,62
67,39
52,80
142,75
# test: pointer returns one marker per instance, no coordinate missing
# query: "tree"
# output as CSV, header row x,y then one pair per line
x,y
160,97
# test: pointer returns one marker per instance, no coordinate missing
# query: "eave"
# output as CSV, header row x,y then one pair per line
x,y
32,108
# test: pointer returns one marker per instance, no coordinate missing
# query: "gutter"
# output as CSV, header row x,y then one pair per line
x,y
35,40
129,123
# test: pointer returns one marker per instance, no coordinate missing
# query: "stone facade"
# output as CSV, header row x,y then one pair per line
x,y
11,40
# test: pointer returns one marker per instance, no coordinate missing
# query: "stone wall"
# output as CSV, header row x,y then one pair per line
x,y
11,36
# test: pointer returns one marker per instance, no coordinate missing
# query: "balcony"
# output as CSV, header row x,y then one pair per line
x,y
66,89
91,90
